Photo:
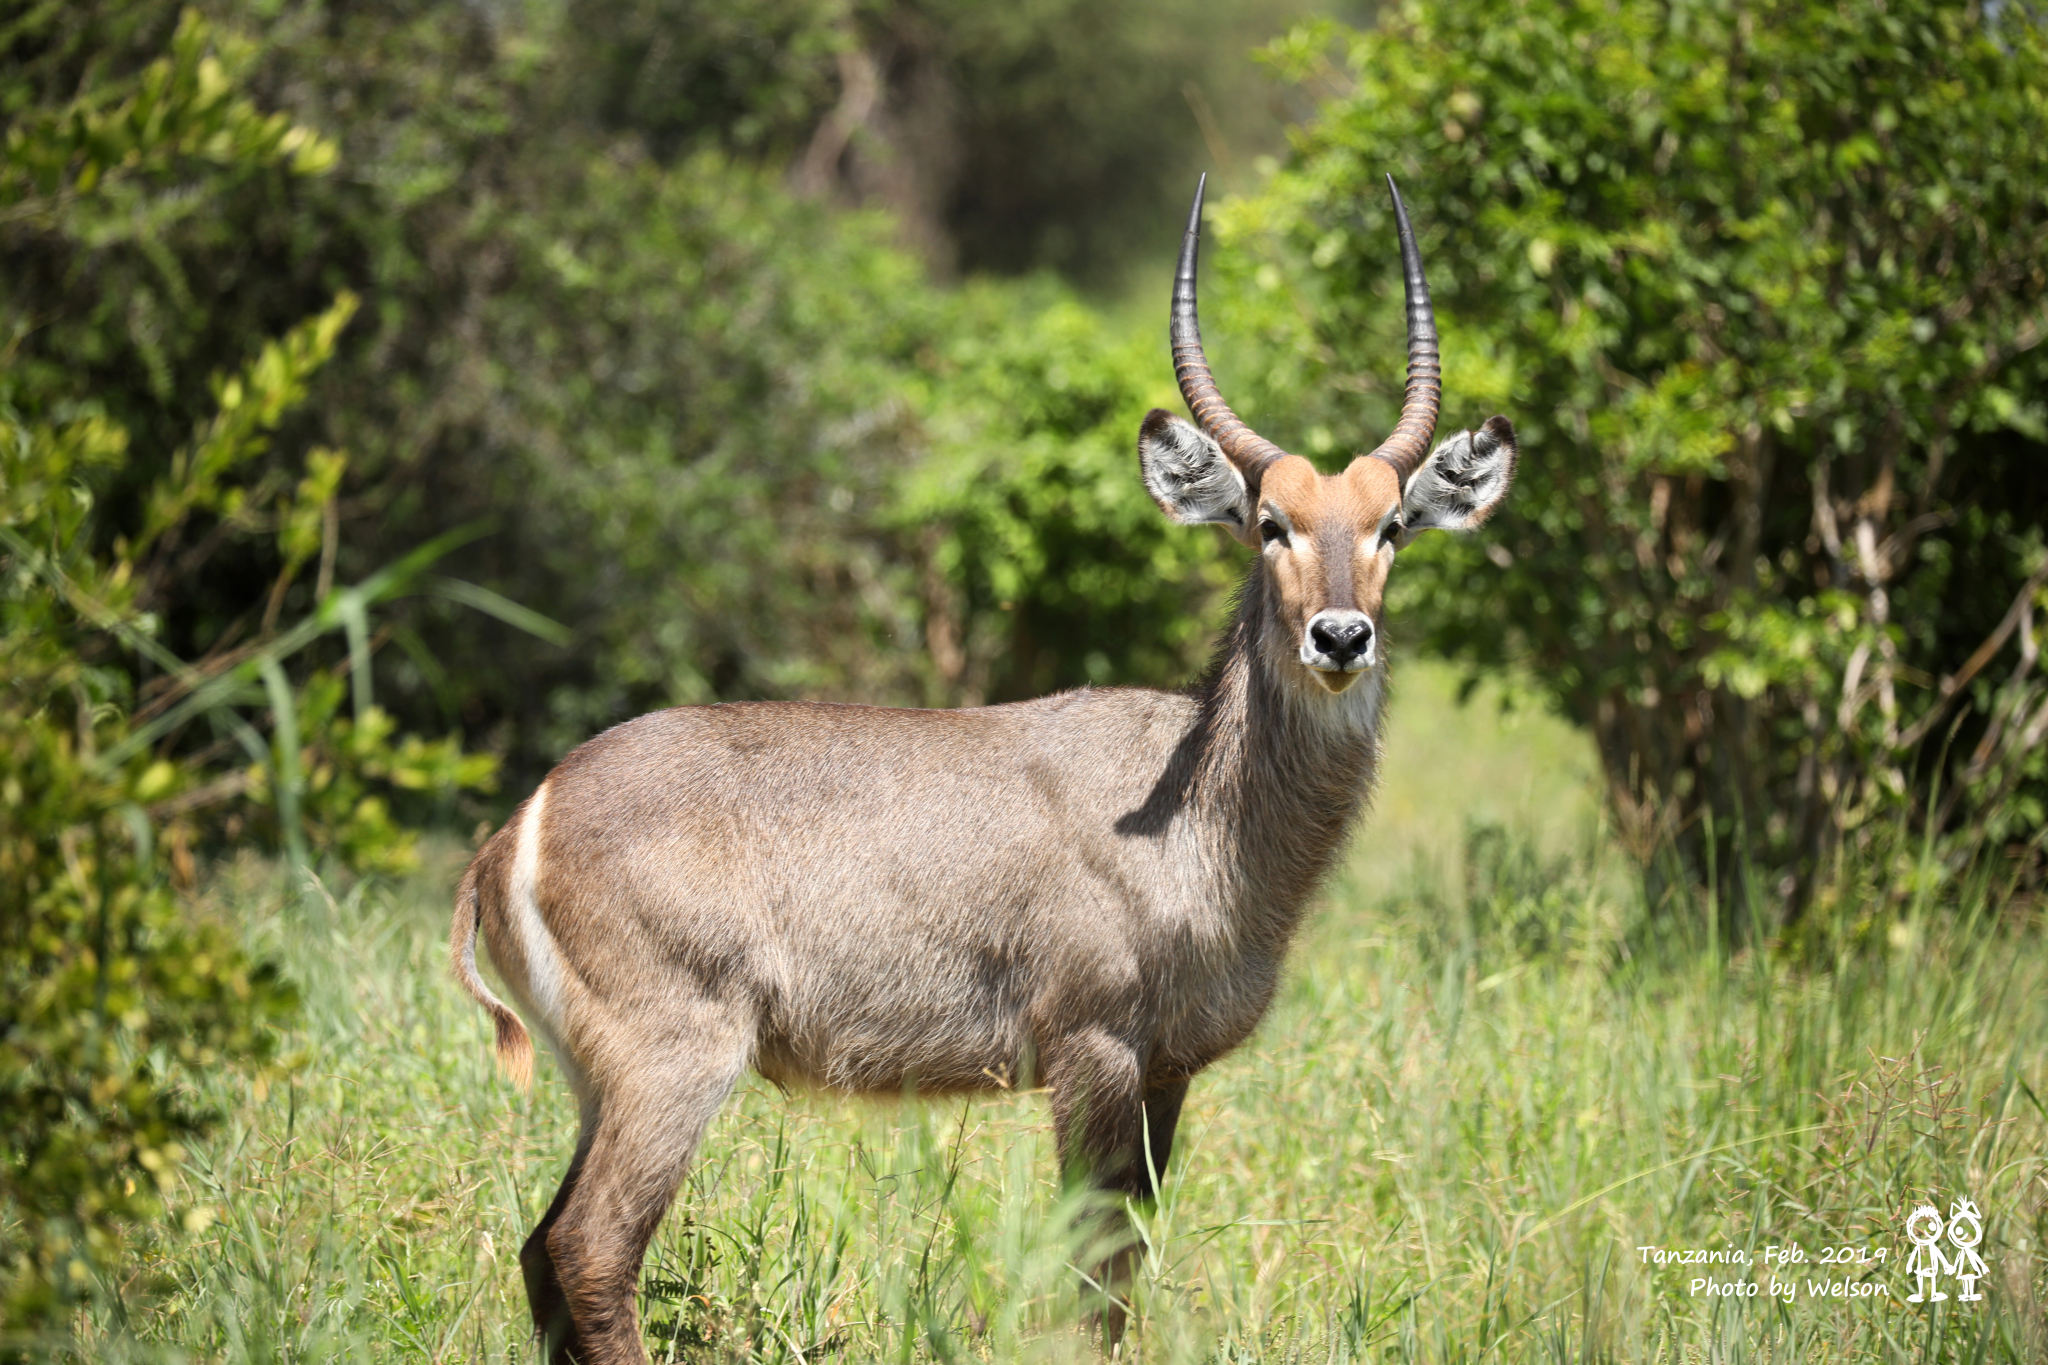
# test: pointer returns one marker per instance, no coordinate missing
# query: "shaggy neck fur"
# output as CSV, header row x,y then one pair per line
x,y
1272,774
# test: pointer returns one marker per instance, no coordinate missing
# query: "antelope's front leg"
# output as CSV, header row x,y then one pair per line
x,y
1116,1132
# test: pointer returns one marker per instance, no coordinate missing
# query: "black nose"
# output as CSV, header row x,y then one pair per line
x,y
1342,638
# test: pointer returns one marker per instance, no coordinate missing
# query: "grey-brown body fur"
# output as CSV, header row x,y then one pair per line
x,y
1096,889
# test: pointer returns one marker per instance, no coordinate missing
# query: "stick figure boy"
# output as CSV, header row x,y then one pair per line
x,y
1923,1230
1966,1229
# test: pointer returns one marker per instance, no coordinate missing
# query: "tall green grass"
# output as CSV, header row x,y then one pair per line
x,y
1493,1076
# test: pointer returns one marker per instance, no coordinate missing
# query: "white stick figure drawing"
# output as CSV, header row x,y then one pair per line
x,y
1923,1230
1966,1229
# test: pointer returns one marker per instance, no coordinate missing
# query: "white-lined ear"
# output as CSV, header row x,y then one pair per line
x,y
1189,476
1462,481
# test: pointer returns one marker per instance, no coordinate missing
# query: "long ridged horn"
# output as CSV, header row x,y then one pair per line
x,y
1407,445
1246,449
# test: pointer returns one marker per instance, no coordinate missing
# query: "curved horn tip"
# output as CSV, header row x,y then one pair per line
x,y
1401,225
1190,248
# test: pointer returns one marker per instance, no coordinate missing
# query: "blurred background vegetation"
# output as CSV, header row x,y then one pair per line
x,y
395,394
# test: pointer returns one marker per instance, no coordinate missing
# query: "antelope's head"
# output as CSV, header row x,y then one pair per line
x,y
1326,541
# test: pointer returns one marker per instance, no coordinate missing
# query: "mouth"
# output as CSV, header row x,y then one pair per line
x,y
1338,674
1338,678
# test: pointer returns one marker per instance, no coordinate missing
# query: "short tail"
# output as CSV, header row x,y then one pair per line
x,y
514,1044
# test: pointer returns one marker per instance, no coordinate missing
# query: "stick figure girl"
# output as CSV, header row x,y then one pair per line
x,y
1923,1230
1966,1229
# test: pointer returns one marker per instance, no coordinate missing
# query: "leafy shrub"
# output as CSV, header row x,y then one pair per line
x,y
1048,566
116,753
1761,288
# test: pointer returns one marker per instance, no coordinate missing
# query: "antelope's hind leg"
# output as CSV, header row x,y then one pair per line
x,y
652,1115
544,1296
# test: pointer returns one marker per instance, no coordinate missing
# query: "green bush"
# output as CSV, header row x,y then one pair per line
x,y
117,755
1762,289
1046,564
756,453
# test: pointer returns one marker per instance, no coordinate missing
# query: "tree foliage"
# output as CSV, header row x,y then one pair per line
x,y
1031,135
683,392
1763,288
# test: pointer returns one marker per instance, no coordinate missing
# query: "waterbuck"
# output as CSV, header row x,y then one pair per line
x,y
1096,888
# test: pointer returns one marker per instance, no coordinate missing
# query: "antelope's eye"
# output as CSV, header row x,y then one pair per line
x,y
1270,531
1393,531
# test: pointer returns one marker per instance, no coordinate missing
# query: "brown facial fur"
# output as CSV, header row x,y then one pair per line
x,y
1332,557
